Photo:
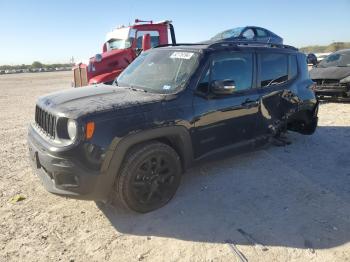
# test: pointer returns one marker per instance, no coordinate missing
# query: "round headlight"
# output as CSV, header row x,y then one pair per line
x,y
72,129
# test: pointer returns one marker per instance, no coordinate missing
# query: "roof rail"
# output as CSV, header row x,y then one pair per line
x,y
235,43
238,43
178,44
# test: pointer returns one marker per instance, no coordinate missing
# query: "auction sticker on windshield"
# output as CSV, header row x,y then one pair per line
x,y
166,87
181,55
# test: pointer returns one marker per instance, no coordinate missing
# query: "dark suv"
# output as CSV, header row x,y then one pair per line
x,y
172,106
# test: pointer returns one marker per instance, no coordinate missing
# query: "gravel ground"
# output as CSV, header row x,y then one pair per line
x,y
293,200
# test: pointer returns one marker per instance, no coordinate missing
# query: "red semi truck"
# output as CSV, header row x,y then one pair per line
x,y
122,46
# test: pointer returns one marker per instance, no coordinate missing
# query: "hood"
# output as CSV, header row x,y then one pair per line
x,y
333,72
92,99
110,54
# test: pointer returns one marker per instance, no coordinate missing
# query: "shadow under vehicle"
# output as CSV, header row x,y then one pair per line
x,y
282,196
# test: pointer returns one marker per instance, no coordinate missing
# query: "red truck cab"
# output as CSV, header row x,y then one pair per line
x,y
122,46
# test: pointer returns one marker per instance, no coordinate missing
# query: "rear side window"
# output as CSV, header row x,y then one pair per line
x,y
273,69
261,33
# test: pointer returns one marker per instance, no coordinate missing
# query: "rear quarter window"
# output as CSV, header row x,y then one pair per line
x,y
293,63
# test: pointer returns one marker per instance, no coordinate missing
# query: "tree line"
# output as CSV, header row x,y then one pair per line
x,y
34,65
325,48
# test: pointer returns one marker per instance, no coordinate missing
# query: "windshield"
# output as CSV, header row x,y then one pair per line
x,y
119,44
120,38
234,32
338,59
160,71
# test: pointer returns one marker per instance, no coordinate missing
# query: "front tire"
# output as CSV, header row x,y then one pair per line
x,y
149,177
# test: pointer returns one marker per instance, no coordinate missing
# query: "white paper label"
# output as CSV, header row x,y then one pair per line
x,y
181,55
166,87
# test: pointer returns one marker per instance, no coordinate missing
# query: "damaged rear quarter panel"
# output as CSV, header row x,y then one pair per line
x,y
280,104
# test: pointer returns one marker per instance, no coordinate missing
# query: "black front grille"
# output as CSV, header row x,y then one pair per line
x,y
46,121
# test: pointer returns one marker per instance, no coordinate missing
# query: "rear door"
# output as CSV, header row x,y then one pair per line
x,y
225,120
276,73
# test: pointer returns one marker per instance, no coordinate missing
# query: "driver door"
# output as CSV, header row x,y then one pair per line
x,y
225,120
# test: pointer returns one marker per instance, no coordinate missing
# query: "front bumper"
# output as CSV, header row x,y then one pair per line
x,y
62,175
332,92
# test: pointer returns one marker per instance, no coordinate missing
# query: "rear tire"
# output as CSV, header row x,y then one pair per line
x,y
149,177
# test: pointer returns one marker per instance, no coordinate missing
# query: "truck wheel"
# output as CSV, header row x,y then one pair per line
x,y
149,177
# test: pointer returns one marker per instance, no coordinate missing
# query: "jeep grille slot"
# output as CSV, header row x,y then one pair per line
x,y
46,121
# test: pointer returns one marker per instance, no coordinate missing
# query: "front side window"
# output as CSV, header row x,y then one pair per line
x,y
273,69
233,66
248,34
160,71
120,38
154,38
237,67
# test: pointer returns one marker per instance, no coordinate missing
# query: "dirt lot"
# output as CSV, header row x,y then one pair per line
x,y
294,200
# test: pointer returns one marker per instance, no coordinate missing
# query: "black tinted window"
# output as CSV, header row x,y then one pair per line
x,y
293,66
274,69
261,33
154,35
233,66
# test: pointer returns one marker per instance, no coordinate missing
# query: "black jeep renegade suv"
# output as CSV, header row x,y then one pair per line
x,y
172,106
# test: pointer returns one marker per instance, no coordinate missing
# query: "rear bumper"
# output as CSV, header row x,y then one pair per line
x,y
61,175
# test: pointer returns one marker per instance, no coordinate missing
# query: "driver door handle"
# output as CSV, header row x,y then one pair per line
x,y
250,103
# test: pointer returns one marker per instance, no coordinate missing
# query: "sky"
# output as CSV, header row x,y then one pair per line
x,y
54,31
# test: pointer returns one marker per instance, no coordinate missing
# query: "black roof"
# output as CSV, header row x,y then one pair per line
x,y
226,44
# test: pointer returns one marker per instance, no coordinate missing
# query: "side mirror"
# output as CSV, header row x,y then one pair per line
x,y
104,48
223,87
98,58
146,42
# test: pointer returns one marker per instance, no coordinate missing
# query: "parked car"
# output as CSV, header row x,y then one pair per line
x,y
251,33
332,76
170,108
321,56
